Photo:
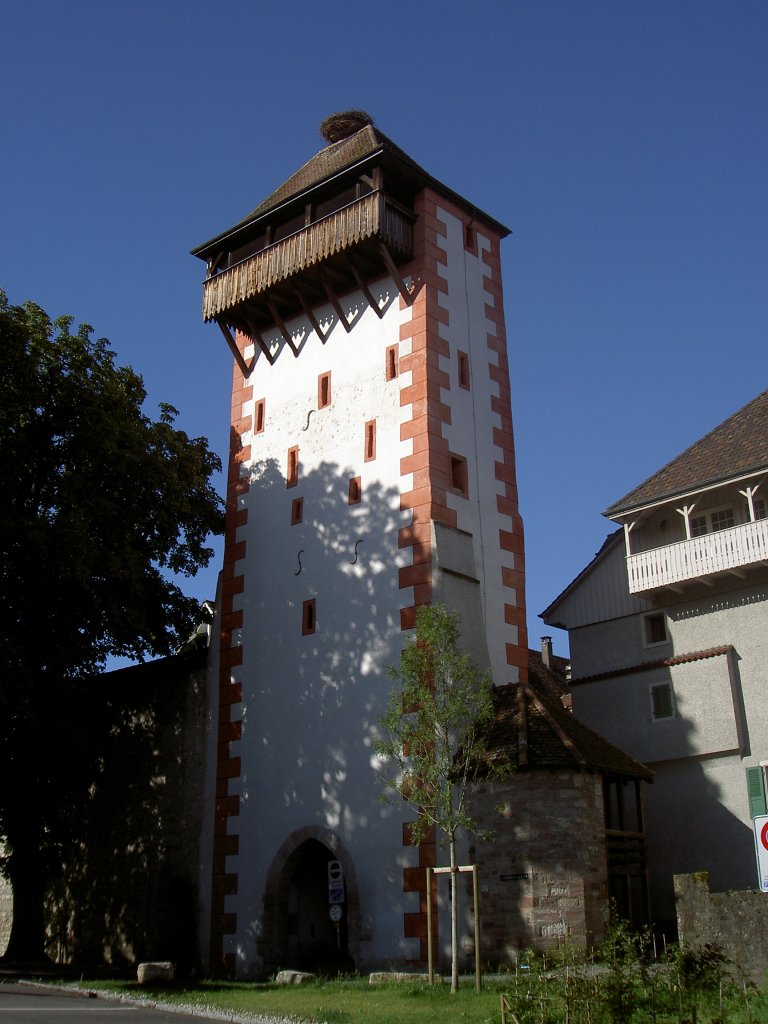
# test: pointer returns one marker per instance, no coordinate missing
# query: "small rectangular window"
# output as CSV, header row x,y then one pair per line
x,y
370,440
392,362
654,629
698,526
463,362
258,416
758,507
355,491
323,390
470,238
297,511
292,474
459,477
662,703
308,617
722,519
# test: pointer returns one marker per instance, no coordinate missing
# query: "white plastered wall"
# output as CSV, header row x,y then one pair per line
x,y
311,703
470,434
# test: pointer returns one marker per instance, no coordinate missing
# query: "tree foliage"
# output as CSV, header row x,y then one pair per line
x,y
434,731
100,505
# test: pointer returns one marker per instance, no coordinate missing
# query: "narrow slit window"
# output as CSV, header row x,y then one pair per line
x,y
370,440
292,475
323,390
393,362
297,511
308,617
464,371
469,236
459,475
258,416
355,491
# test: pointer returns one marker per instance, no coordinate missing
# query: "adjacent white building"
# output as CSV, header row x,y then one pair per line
x,y
668,630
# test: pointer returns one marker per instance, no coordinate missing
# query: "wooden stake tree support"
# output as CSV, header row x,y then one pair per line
x,y
476,898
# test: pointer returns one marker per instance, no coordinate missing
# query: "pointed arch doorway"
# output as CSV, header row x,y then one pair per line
x,y
311,874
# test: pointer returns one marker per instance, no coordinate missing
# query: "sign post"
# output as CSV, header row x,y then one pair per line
x,y
761,850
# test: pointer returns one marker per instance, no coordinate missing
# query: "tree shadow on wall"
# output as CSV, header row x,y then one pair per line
x,y
315,687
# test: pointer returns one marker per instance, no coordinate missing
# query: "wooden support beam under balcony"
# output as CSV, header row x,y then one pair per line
x,y
370,237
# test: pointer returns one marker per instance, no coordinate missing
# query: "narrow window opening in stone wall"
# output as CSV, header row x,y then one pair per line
x,y
355,491
459,475
370,440
323,390
292,474
297,511
463,370
308,617
258,416
393,361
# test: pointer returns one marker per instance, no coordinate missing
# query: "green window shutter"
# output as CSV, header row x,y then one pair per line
x,y
756,792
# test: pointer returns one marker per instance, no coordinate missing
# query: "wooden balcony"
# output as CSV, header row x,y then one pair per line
x,y
366,239
688,560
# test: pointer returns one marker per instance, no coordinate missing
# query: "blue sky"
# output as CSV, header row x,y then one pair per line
x,y
624,143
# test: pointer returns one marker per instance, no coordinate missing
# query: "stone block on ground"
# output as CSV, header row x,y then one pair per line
x,y
157,971
293,977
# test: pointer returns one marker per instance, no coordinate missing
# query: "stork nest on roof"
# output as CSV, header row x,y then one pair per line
x,y
342,125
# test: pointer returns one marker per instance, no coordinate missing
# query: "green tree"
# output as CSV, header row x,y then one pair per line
x,y
434,737
101,507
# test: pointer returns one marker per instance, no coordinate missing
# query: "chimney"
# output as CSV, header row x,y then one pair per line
x,y
546,650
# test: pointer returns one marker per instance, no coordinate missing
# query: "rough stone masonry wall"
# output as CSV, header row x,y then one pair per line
x,y
544,880
735,921
6,912
129,877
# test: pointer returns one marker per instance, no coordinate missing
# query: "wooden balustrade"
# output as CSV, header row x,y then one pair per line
x,y
701,556
372,217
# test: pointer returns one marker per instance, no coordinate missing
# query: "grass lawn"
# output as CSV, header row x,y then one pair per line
x,y
536,999
332,1002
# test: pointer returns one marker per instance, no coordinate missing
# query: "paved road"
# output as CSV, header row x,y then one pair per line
x,y
26,1004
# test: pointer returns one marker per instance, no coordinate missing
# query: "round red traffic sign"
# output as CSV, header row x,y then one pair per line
x,y
764,836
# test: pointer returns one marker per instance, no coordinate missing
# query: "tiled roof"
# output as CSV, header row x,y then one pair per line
x,y
737,447
552,681
335,158
331,160
646,666
534,731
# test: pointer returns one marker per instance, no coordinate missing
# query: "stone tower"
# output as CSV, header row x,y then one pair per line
x,y
371,471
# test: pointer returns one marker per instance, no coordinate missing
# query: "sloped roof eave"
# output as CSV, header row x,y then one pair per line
x,y
735,448
607,545
615,512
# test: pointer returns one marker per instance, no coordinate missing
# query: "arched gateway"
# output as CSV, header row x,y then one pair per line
x,y
311,874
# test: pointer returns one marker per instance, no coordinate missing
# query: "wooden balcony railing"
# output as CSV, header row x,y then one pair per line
x,y
373,217
700,556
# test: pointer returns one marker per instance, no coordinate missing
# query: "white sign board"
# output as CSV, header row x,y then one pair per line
x,y
761,849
